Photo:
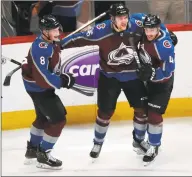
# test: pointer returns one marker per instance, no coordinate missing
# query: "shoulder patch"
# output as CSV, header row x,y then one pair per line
x,y
101,26
139,23
43,45
166,44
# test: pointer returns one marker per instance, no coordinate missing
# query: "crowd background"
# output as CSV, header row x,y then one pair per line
x,y
20,18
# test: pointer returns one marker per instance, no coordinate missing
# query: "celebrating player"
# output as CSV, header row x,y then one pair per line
x,y
117,68
158,58
41,76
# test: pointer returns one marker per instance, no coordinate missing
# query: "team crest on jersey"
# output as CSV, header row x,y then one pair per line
x,y
123,55
101,26
166,44
139,23
43,45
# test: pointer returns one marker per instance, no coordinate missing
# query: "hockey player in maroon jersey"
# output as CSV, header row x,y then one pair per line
x,y
41,76
158,57
117,69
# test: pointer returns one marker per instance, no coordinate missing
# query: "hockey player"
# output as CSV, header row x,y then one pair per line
x,y
157,54
41,76
140,17
117,69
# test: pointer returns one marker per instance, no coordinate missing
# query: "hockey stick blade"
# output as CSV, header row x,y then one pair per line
x,y
7,80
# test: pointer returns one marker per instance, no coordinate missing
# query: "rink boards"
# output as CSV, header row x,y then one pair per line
x,y
17,108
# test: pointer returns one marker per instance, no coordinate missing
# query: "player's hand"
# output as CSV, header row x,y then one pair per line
x,y
68,80
146,72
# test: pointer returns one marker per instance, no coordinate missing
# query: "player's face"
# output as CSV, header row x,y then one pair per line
x,y
121,22
54,34
151,33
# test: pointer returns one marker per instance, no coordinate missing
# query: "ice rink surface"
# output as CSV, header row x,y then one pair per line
x,y
117,156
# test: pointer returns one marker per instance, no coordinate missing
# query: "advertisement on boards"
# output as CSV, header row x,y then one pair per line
x,y
83,63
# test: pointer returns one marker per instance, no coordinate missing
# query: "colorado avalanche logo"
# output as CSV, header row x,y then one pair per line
x,y
139,23
43,45
101,26
122,55
166,44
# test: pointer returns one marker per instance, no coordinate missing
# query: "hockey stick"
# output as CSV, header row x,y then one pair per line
x,y
4,60
88,23
7,80
131,41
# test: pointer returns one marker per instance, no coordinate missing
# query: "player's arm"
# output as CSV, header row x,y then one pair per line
x,y
137,20
138,16
167,57
80,39
43,77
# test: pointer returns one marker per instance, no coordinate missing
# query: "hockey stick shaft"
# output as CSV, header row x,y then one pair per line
x,y
16,62
88,23
131,41
4,59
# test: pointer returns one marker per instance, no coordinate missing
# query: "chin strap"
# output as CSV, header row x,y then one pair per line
x,y
48,37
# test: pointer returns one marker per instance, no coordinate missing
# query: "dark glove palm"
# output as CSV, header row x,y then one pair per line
x,y
67,80
146,72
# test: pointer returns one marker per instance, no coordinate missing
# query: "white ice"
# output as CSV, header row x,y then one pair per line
x,y
117,156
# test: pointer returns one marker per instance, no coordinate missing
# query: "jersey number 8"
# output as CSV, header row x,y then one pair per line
x,y
42,60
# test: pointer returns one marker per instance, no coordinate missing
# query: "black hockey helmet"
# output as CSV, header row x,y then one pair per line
x,y
151,21
49,22
118,10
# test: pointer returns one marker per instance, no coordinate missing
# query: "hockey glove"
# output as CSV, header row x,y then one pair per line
x,y
67,80
146,72
174,38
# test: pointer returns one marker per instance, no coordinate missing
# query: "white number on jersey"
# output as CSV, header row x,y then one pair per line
x,y
171,60
42,60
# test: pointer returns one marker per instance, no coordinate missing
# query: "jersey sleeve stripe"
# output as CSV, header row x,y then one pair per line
x,y
164,78
157,51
